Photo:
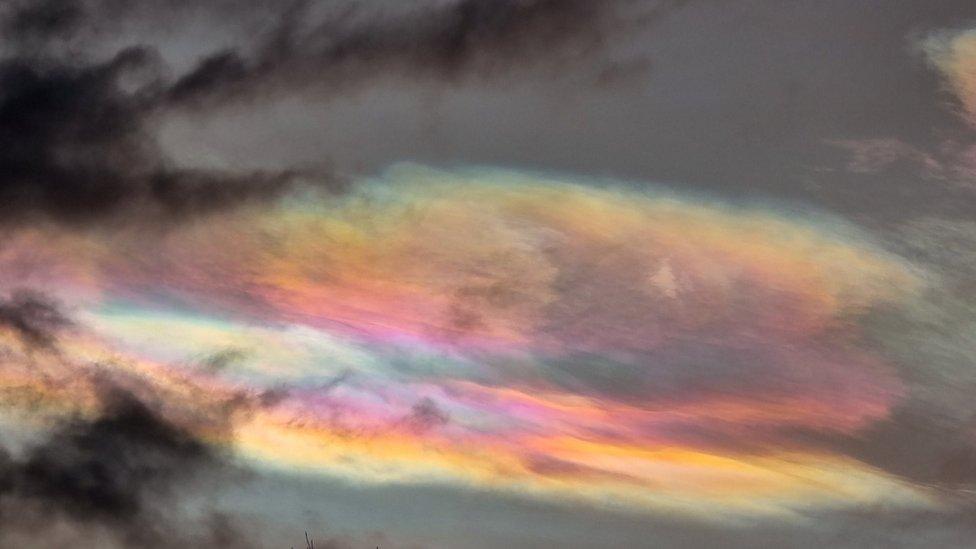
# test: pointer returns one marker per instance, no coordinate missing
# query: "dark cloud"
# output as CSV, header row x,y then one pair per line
x,y
101,469
77,135
117,478
76,146
44,19
43,23
443,41
119,472
33,317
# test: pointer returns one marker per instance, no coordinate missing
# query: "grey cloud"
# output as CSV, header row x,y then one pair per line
x,y
440,41
117,476
78,133
35,318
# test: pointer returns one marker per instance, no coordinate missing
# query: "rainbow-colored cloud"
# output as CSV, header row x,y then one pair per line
x,y
495,330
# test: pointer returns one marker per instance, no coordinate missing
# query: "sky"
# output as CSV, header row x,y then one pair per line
x,y
487,273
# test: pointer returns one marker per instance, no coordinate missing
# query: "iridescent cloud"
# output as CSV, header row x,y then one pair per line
x,y
500,330
953,52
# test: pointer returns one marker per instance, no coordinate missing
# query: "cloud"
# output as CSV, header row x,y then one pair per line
x,y
111,454
878,155
492,330
43,19
77,131
952,160
75,146
953,53
446,41
120,473
545,336
551,320
929,437
33,317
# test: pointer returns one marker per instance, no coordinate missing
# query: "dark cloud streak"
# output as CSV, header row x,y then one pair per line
x,y
75,146
33,317
448,41
77,134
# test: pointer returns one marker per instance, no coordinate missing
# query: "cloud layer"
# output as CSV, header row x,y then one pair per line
x,y
552,338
